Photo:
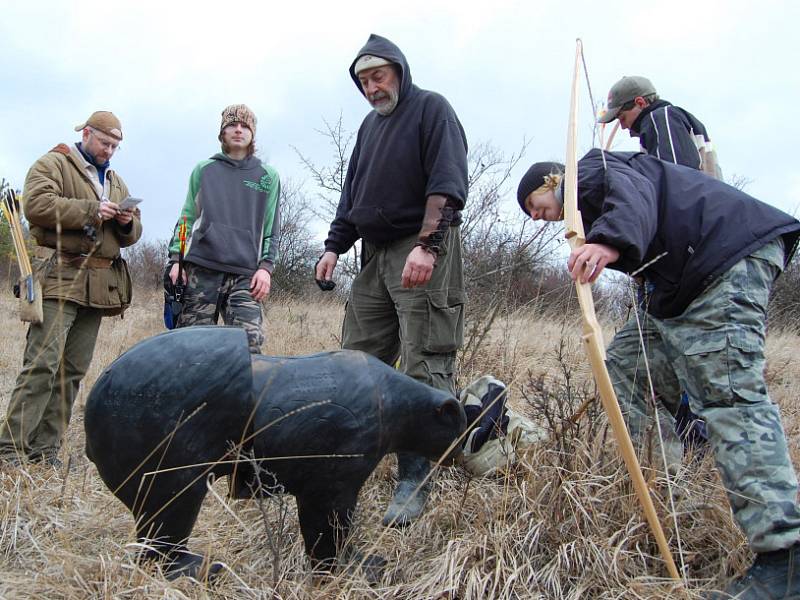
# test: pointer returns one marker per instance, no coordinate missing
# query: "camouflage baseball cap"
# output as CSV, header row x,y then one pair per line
x,y
104,121
625,90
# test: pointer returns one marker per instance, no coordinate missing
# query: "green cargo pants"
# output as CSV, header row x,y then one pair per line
x,y
423,326
58,352
715,351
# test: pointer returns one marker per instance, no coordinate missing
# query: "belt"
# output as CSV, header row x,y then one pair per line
x,y
81,260
71,259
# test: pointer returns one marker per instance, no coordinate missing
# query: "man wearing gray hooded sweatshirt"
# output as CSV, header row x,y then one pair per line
x,y
405,187
232,219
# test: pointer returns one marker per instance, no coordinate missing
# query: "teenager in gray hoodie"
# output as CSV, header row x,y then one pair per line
x,y
232,220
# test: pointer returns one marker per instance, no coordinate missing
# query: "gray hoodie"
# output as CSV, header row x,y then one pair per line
x,y
232,216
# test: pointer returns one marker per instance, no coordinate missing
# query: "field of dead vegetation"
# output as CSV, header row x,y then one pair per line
x,y
562,523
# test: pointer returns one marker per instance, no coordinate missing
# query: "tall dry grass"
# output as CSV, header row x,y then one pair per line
x,y
562,523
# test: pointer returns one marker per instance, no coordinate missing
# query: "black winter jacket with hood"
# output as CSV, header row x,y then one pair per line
x,y
645,207
398,161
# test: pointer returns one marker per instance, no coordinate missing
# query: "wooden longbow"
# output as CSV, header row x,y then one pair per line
x,y
593,335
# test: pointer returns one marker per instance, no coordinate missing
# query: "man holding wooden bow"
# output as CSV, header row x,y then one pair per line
x,y
712,253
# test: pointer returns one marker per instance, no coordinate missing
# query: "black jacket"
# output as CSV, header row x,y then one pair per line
x,y
671,133
398,161
644,207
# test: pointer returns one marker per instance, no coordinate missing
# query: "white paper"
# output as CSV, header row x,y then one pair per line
x,y
129,203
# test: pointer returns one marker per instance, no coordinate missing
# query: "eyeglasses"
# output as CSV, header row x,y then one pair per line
x,y
105,141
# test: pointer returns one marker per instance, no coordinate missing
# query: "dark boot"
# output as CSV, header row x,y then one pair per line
x,y
773,576
371,566
179,562
409,495
188,564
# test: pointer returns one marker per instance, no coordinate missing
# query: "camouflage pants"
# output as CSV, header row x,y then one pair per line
x,y
715,351
422,326
210,294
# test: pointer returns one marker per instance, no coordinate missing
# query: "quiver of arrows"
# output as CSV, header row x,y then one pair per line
x,y
30,289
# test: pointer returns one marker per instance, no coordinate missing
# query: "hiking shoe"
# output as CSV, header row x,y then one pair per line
x,y
410,494
773,576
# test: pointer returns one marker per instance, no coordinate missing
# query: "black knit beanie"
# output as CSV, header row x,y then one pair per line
x,y
534,179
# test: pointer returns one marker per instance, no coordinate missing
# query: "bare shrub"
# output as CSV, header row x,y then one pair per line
x,y
297,251
784,306
146,261
330,180
567,406
499,249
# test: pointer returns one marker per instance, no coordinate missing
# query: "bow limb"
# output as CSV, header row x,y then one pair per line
x,y
593,335
611,135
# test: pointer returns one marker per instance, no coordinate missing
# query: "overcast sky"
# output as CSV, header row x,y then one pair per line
x,y
168,68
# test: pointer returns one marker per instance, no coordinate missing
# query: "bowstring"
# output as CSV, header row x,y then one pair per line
x,y
594,107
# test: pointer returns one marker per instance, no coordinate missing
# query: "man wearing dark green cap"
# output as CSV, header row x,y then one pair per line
x,y
675,135
667,132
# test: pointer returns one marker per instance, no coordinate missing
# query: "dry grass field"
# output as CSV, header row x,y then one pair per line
x,y
562,523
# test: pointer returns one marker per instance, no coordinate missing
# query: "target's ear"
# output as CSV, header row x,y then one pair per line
x,y
449,409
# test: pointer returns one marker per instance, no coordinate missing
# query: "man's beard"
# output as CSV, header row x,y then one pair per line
x,y
385,108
